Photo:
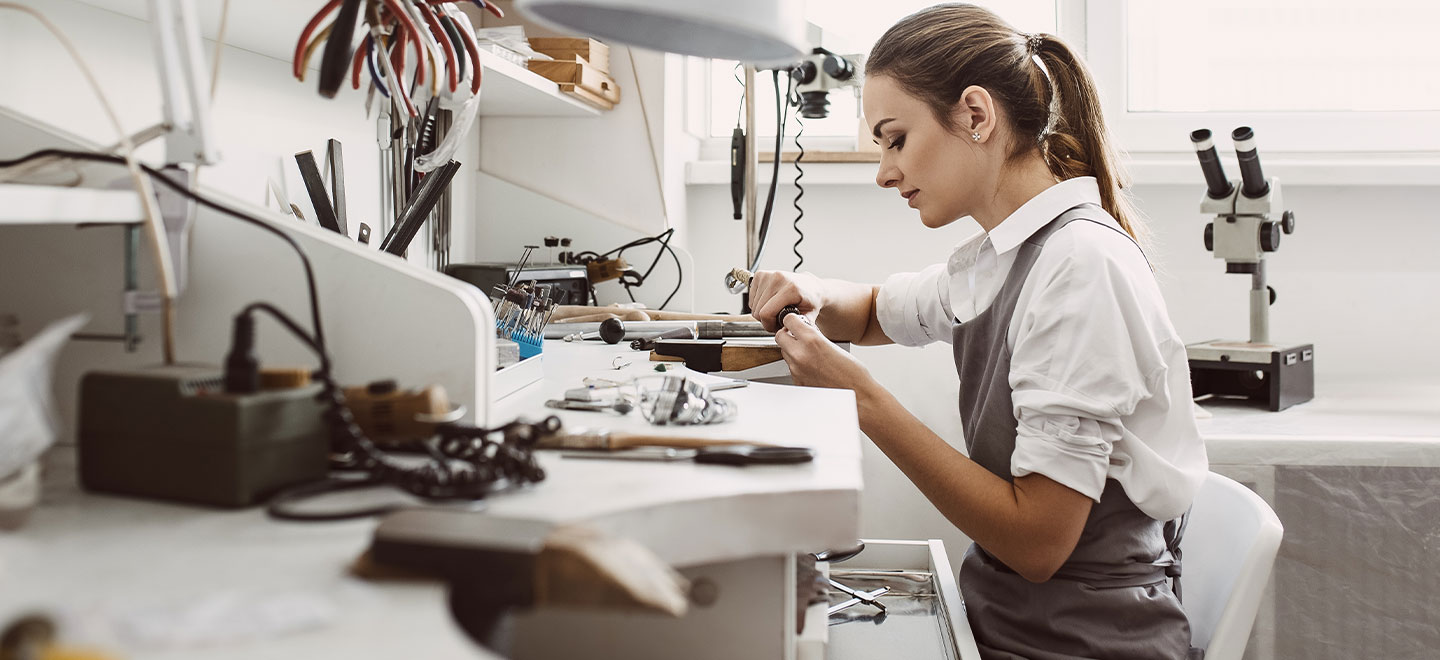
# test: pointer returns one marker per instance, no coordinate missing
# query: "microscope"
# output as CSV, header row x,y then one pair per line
x,y
1243,232
820,72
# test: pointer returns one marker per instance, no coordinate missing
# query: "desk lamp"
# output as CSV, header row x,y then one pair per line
x,y
744,30
185,87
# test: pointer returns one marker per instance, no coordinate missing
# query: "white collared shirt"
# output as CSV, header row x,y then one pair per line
x,y
1100,379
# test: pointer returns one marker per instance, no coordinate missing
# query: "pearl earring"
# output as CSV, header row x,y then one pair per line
x,y
975,136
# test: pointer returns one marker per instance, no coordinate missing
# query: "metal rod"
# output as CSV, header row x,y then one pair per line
x,y
752,160
1259,306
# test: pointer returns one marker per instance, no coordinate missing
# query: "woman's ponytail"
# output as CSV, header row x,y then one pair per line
x,y
1075,141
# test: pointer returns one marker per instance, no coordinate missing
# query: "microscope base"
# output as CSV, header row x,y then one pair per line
x,y
1279,376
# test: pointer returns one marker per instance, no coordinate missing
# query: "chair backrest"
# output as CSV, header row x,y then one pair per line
x,y
1228,550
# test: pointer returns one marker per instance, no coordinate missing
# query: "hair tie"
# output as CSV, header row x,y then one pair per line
x,y
1052,111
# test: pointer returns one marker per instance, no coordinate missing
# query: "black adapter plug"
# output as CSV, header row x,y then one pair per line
x,y
242,368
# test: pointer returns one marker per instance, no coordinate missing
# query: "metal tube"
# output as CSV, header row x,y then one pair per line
x,y
1217,185
1259,306
635,329
1252,179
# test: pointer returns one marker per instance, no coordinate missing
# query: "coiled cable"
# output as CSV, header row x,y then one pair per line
x,y
799,191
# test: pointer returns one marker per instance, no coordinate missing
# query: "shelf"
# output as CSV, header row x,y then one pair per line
x,y
22,204
508,90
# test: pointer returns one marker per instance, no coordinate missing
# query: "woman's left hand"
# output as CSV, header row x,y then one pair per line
x,y
816,361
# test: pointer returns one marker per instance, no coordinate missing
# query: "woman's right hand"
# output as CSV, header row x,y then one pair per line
x,y
772,290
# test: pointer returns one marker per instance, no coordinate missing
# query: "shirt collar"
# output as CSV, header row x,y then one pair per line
x,y
1041,209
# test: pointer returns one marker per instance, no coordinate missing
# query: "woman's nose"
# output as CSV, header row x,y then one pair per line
x,y
887,177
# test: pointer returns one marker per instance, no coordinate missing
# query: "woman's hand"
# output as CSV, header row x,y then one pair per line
x,y
816,361
772,290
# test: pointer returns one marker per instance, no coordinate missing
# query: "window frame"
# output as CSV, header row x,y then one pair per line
x,y
1362,134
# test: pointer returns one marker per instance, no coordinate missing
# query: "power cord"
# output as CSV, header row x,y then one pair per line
x,y
468,463
633,279
780,115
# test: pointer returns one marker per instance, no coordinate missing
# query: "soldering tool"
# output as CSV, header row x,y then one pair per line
x,y
738,281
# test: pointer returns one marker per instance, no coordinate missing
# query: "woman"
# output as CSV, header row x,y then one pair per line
x,y
1074,386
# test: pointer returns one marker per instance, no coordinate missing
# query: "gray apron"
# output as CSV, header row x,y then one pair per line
x,y
1110,599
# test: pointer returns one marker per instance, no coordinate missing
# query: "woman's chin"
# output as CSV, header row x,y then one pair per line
x,y
932,220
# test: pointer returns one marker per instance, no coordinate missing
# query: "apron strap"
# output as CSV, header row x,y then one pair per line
x,y
1174,531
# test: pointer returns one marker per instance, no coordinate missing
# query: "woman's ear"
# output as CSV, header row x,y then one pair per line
x,y
975,114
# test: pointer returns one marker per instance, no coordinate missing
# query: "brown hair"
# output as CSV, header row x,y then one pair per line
x,y
935,53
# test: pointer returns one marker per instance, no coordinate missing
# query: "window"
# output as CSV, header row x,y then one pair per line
x,y
1308,75
849,27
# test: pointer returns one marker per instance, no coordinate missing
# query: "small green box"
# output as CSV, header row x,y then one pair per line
x,y
172,433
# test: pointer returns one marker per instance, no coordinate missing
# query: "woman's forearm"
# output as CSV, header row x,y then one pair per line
x,y
848,313
1031,524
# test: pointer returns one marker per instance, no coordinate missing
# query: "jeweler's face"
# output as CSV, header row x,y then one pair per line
x,y
933,169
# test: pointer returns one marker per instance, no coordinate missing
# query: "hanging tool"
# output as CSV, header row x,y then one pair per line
x,y
337,48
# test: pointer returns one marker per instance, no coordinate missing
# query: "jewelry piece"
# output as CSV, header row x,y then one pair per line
x,y
975,136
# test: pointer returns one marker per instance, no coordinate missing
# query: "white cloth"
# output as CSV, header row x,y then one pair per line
x,y
1100,379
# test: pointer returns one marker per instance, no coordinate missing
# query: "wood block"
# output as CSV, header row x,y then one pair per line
x,y
580,75
707,355
568,48
586,96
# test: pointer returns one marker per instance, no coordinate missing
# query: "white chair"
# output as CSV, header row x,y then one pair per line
x,y
1228,550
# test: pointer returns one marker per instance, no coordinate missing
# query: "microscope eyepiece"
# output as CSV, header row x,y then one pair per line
x,y
1253,183
1218,187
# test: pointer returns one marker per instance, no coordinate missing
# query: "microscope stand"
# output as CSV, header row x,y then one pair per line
x,y
1279,375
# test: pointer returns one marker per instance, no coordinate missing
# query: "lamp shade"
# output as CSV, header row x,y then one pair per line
x,y
745,30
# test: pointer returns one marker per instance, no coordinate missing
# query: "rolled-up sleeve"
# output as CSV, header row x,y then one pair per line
x,y
914,308
1083,358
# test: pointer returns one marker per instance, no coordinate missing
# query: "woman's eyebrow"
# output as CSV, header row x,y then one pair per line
x,y
880,123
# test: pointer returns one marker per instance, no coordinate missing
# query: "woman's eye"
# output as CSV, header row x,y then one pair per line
x,y
897,142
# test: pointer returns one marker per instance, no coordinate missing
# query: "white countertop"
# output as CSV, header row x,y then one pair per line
x,y
246,586
688,513
1353,423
